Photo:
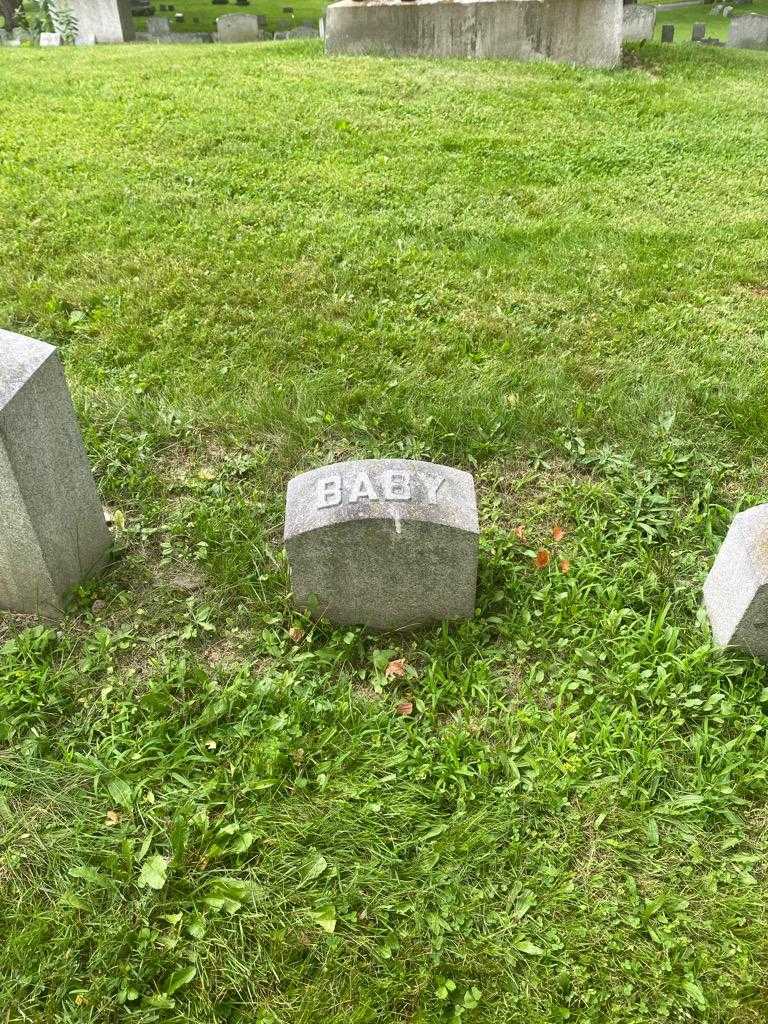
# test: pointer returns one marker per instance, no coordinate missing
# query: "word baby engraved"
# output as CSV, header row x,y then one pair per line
x,y
392,485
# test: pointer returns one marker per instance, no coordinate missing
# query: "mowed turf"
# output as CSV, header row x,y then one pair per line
x,y
257,260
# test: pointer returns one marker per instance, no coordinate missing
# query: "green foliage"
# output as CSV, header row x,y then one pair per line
x,y
39,16
64,21
210,809
36,16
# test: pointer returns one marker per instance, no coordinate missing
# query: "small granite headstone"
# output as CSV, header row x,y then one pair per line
x,y
698,32
239,28
727,11
303,32
667,33
158,26
50,39
52,528
383,543
736,590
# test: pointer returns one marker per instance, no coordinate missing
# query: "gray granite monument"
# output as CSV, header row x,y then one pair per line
x,y
749,32
639,22
52,528
106,21
736,590
240,28
587,32
384,543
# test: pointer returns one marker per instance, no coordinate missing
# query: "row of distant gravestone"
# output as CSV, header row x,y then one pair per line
x,y
234,28
747,32
384,543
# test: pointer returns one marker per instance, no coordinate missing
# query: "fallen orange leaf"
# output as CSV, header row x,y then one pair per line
x,y
557,534
542,558
405,707
395,669
565,565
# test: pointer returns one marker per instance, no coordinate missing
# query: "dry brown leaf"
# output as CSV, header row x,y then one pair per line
x,y
542,558
395,669
557,534
520,532
112,818
565,565
404,708
211,744
296,633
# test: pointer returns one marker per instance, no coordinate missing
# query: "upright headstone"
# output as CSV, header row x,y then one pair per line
x,y
50,39
303,32
52,528
109,21
698,32
158,26
240,28
749,32
667,33
639,22
736,590
587,32
384,543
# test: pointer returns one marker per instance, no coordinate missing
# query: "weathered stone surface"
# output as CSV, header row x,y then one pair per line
x,y
108,21
587,32
736,590
667,33
749,32
385,543
157,26
698,32
303,32
240,28
52,528
50,39
639,22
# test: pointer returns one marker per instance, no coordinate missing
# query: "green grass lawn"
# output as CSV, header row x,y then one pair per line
x,y
206,13
717,27
256,260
